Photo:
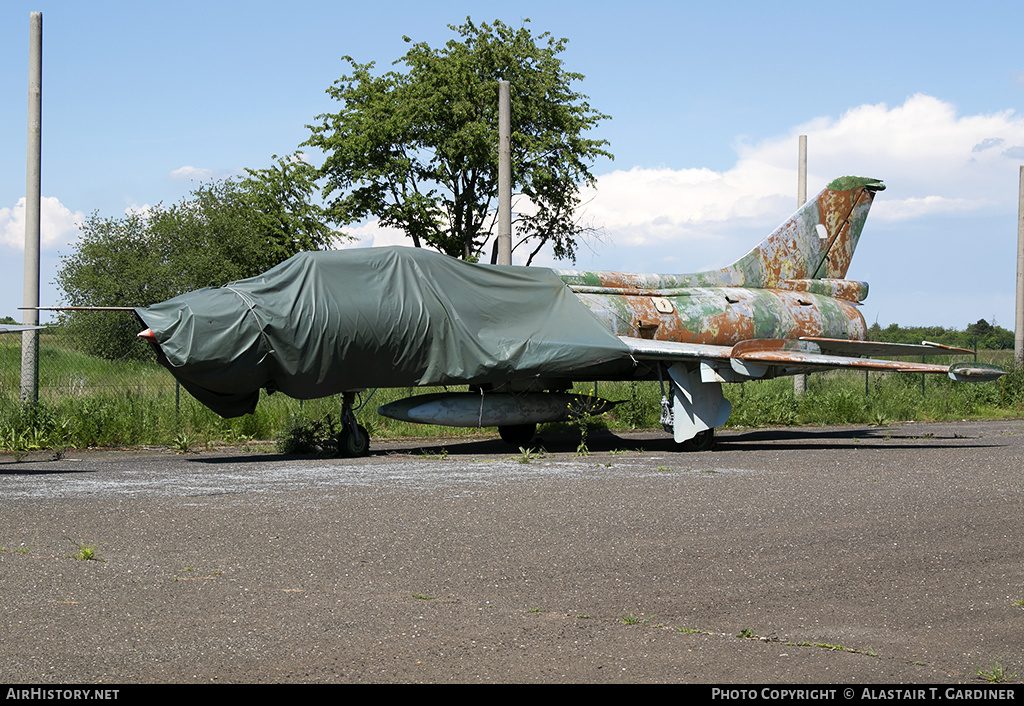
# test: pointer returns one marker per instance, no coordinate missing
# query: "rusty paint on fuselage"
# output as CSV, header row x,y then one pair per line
x,y
727,315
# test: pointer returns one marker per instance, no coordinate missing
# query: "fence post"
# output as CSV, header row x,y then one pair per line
x,y
923,360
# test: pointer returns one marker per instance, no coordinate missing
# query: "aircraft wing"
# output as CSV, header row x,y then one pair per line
x,y
756,358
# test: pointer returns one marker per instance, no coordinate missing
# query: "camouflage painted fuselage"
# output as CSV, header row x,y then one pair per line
x,y
725,316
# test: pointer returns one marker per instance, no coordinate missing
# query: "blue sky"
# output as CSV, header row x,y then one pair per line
x,y
141,100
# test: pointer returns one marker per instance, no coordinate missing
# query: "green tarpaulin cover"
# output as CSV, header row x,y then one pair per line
x,y
325,322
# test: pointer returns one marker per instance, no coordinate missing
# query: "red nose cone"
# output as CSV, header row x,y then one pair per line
x,y
147,334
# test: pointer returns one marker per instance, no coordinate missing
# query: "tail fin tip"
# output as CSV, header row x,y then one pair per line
x,y
848,183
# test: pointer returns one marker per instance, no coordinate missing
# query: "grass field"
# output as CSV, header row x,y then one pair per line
x,y
85,401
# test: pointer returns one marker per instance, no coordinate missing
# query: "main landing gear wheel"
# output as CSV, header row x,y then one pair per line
x,y
355,443
517,434
702,442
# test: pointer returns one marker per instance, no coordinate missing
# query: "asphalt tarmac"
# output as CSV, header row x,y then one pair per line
x,y
820,555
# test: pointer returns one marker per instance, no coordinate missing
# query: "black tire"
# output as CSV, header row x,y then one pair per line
x,y
517,434
354,445
702,442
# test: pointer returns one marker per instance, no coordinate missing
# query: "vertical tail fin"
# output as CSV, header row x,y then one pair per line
x,y
817,242
809,252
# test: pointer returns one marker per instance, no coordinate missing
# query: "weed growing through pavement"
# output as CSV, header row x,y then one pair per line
x,y
581,413
995,674
528,455
181,443
86,551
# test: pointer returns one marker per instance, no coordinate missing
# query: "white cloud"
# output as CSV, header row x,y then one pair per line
x,y
58,225
904,209
190,172
373,234
644,205
933,161
921,148
136,210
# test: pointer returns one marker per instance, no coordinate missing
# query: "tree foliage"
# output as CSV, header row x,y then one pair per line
x,y
418,149
981,334
224,231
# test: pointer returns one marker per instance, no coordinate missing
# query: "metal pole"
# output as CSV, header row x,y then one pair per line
x,y
1018,337
504,174
800,381
801,176
30,296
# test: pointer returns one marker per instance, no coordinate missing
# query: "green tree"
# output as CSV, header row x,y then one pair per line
x,y
980,334
987,335
223,231
418,149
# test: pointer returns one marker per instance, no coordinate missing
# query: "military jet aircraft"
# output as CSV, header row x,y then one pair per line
x,y
323,323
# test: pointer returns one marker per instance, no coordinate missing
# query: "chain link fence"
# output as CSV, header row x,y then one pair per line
x,y
66,372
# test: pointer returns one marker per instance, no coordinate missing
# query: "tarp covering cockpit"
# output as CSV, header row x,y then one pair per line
x,y
325,322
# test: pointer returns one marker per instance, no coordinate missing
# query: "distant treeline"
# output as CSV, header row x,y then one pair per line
x,y
981,335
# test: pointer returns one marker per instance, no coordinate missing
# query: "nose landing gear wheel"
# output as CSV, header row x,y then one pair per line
x,y
353,440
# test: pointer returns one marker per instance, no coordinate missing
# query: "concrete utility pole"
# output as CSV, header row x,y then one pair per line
x,y
504,174
800,381
30,296
1018,337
